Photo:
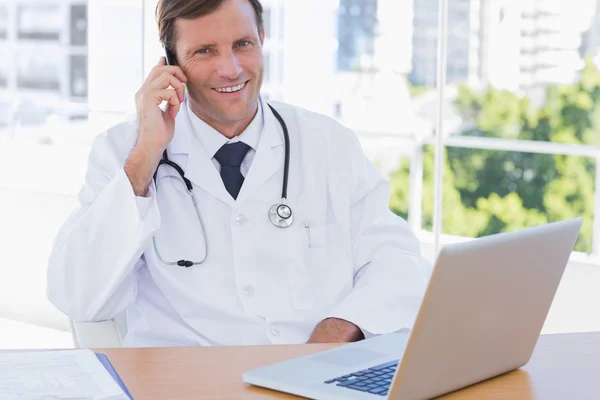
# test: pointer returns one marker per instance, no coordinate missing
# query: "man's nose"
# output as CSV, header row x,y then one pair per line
x,y
229,66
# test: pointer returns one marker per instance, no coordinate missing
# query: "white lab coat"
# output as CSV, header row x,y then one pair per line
x,y
260,284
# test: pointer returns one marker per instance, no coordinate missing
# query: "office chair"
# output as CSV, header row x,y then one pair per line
x,y
102,334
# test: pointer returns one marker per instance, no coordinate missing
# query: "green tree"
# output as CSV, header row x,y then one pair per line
x,y
456,218
487,191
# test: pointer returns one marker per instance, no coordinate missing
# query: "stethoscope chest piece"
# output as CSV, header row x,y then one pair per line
x,y
281,215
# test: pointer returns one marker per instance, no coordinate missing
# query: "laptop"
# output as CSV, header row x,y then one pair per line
x,y
481,316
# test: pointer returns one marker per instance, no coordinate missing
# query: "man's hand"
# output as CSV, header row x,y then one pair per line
x,y
163,84
335,330
155,126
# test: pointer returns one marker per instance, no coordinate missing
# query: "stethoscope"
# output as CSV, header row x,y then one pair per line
x,y
280,214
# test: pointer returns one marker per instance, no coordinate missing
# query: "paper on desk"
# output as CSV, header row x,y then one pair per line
x,y
56,375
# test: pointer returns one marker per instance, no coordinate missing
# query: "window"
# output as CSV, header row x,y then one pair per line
x,y
39,69
39,21
4,69
3,21
495,173
78,21
78,76
520,118
519,125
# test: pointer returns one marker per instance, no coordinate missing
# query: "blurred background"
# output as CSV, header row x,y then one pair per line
x,y
520,119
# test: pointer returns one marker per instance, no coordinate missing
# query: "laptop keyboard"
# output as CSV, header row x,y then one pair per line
x,y
374,380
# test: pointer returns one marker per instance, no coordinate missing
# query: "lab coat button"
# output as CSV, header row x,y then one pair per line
x,y
275,331
240,220
249,290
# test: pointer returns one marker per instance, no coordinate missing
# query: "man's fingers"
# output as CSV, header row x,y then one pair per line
x,y
174,105
172,110
170,96
165,80
177,71
171,69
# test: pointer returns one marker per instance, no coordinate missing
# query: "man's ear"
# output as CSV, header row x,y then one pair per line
x,y
262,37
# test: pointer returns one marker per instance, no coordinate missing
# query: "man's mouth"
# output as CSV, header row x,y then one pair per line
x,y
231,89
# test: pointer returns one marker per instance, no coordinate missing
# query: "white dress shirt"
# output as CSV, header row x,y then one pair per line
x,y
212,140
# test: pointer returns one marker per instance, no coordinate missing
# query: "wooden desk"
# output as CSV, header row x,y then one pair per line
x,y
565,367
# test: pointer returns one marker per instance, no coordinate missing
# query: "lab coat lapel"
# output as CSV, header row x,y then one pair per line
x,y
268,159
199,167
203,173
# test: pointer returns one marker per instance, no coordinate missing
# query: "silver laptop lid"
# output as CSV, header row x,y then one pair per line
x,y
484,309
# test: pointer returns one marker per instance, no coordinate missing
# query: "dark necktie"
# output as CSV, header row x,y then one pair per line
x,y
230,156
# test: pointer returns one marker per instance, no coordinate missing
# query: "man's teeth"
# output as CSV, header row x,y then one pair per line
x,y
231,89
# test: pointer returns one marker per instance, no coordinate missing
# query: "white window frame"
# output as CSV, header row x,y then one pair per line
x,y
483,143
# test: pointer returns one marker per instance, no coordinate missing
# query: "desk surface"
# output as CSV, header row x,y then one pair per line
x,y
565,366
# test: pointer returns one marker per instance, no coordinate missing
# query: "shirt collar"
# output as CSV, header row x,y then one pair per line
x,y
212,140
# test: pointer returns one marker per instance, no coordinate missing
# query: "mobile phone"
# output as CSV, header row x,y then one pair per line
x,y
170,57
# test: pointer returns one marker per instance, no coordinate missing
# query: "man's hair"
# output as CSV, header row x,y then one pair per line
x,y
167,11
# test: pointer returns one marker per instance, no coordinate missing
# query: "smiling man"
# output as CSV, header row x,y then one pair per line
x,y
218,46
287,237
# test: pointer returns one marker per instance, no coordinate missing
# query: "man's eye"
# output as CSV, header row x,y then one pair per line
x,y
243,43
202,51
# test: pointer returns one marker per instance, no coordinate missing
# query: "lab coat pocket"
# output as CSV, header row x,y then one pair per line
x,y
308,276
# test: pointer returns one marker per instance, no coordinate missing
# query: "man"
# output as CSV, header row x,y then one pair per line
x,y
346,268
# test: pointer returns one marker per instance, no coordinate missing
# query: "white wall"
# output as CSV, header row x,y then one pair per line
x,y
35,202
309,56
115,54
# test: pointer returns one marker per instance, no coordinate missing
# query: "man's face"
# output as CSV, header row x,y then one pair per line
x,y
221,55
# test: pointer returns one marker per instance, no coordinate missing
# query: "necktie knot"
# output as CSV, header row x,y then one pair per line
x,y
232,154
